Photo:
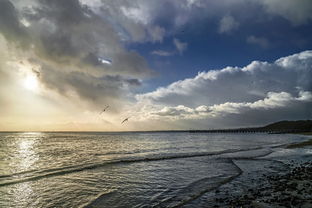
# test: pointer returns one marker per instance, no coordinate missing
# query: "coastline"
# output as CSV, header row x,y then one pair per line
x,y
289,187
189,179
301,144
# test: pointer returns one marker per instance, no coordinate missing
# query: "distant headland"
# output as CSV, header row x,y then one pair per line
x,y
300,126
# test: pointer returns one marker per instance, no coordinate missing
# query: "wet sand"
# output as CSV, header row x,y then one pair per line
x,y
290,189
301,144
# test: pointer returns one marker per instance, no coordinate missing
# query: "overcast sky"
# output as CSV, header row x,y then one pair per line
x,y
166,64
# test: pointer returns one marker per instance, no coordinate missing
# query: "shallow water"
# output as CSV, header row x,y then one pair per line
x,y
124,169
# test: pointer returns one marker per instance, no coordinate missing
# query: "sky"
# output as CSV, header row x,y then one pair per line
x,y
165,65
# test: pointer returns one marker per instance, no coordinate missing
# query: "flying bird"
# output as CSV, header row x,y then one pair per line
x,y
125,120
36,72
104,109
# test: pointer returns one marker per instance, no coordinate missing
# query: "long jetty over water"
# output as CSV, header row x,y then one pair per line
x,y
248,130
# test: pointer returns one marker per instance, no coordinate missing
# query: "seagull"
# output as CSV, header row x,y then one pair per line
x,y
36,72
125,120
104,109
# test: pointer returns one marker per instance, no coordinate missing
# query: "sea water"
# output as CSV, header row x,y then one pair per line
x,y
139,169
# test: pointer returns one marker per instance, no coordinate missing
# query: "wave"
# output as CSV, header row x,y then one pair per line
x,y
195,190
40,174
184,195
198,188
98,197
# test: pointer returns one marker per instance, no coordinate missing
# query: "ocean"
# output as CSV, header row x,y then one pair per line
x,y
138,169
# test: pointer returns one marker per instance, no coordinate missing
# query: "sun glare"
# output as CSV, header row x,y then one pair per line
x,y
31,82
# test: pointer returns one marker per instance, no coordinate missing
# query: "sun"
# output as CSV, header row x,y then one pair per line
x,y
31,82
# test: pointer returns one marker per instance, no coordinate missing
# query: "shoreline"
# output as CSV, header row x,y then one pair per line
x,y
289,188
300,144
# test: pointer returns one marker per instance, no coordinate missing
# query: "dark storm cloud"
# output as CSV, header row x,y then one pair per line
x,y
133,82
97,90
10,26
92,59
65,13
59,46
68,41
78,35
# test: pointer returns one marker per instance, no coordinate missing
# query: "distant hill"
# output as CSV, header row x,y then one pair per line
x,y
290,126
277,127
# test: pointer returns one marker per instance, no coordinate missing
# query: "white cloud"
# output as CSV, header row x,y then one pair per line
x,y
137,20
162,53
239,84
178,111
273,100
262,42
297,12
261,90
140,14
227,24
181,46
157,33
